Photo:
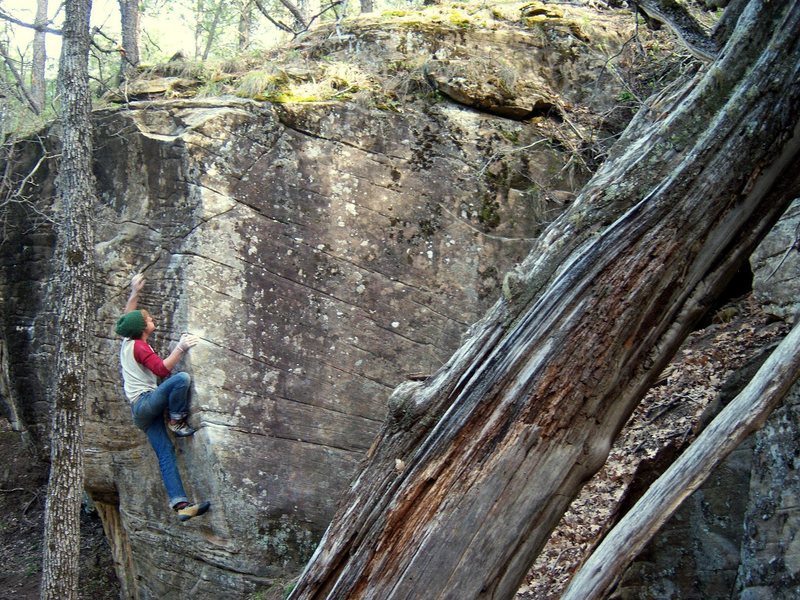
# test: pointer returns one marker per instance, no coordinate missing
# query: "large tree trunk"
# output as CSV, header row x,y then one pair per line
x,y
475,466
75,254
39,62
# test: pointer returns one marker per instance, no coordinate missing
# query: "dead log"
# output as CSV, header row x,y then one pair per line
x,y
475,466
745,414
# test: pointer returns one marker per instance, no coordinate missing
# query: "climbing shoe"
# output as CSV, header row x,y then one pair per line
x,y
180,428
193,510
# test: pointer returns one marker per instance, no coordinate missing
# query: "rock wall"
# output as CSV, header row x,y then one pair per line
x,y
770,550
322,251
316,272
777,264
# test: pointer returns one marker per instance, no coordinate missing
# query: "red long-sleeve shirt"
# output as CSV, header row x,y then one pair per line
x,y
141,368
146,356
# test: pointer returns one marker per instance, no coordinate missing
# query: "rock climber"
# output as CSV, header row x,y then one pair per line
x,y
141,369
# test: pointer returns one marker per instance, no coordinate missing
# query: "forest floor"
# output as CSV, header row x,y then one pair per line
x,y
23,489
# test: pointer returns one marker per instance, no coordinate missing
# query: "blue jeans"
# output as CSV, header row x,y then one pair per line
x,y
148,415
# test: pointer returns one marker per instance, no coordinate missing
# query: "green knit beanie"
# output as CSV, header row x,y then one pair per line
x,y
131,325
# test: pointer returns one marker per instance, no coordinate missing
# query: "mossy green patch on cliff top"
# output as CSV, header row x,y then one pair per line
x,y
357,60
443,16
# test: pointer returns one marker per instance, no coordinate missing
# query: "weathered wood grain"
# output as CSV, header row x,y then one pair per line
x,y
498,442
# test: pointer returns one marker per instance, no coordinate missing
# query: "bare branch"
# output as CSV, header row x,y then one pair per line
x,y
280,25
283,26
683,24
331,6
4,16
116,49
23,89
298,16
14,191
110,40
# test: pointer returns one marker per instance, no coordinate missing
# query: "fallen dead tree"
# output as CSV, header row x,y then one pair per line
x,y
475,466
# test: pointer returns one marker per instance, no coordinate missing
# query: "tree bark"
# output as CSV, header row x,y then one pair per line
x,y
727,22
300,23
745,414
130,21
475,466
245,24
38,64
76,195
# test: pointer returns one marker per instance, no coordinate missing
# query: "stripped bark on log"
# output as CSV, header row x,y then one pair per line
x,y
496,444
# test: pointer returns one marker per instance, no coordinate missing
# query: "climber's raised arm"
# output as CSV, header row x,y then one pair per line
x,y
137,283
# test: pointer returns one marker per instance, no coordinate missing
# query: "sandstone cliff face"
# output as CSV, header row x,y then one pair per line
x,y
777,263
322,252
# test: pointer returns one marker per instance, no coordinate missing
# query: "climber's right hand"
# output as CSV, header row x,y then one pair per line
x,y
187,341
137,283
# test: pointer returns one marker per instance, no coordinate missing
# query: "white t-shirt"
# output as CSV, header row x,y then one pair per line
x,y
136,378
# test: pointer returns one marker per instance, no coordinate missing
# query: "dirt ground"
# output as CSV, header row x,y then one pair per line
x,y
23,483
